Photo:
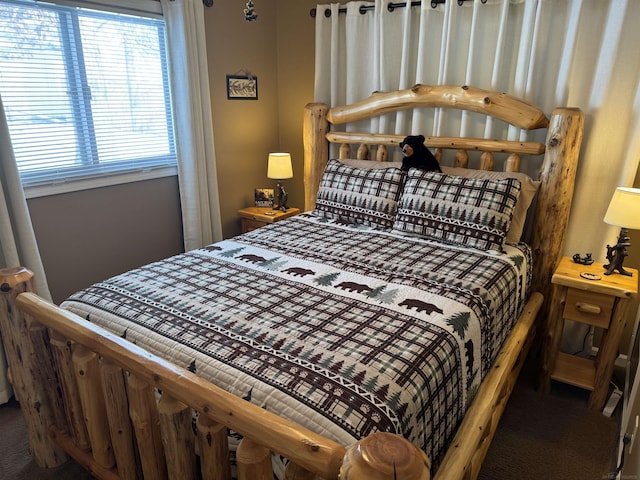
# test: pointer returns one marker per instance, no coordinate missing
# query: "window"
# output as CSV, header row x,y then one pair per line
x,y
85,93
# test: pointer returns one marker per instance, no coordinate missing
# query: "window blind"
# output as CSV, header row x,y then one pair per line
x,y
85,91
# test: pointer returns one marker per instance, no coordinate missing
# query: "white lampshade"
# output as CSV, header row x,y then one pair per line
x,y
624,209
279,166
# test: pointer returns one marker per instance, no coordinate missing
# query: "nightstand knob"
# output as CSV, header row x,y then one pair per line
x,y
588,308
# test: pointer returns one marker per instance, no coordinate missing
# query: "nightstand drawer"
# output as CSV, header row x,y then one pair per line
x,y
588,307
249,224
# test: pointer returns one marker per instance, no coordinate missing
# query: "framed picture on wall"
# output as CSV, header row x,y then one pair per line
x,y
242,87
263,197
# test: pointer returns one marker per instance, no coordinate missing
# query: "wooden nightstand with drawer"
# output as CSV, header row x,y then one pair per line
x,y
600,302
256,217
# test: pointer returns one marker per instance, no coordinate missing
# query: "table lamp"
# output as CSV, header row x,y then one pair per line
x,y
623,212
279,168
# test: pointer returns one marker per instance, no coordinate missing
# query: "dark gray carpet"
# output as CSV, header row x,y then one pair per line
x,y
550,437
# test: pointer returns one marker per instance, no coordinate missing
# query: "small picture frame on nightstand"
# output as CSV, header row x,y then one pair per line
x,y
263,197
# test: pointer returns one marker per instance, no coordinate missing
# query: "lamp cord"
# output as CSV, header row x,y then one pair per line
x,y
626,440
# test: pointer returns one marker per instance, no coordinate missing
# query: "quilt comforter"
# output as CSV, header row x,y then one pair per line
x,y
343,329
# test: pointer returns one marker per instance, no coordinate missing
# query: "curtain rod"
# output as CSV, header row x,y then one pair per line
x,y
391,6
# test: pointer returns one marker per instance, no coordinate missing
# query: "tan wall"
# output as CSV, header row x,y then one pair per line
x,y
245,131
278,49
296,51
86,236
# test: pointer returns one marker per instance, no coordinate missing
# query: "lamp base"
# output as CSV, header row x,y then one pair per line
x,y
282,199
616,254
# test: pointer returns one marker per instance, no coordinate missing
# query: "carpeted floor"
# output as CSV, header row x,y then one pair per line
x,y
550,437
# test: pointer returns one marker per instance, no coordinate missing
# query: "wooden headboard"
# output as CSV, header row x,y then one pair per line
x,y
556,173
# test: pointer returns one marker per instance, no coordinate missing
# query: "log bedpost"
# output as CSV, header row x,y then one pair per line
x,y
25,368
316,150
557,175
563,148
384,455
554,203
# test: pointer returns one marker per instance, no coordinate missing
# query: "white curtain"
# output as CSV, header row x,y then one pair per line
x,y
18,245
194,131
576,53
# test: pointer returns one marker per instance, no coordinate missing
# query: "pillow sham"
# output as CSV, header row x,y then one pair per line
x,y
469,212
359,195
529,188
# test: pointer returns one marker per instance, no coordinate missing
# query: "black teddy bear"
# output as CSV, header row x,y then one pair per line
x,y
416,155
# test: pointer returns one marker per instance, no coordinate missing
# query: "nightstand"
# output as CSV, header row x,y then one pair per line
x,y
256,217
602,303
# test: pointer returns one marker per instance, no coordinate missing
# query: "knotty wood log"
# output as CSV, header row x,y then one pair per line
x,y
557,177
344,151
512,163
453,143
607,353
25,368
382,153
146,423
554,324
499,105
122,437
83,458
66,375
87,372
254,461
363,152
295,472
39,339
314,129
177,438
486,161
308,449
438,155
461,159
213,445
382,456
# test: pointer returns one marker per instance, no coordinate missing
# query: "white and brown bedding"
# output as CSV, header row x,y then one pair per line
x,y
341,327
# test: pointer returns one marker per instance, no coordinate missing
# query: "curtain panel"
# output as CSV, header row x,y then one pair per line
x,y
575,53
189,75
18,246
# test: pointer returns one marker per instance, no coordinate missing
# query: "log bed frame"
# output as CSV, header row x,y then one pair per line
x,y
91,395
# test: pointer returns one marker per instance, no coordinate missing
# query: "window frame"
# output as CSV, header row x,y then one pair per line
x,y
109,172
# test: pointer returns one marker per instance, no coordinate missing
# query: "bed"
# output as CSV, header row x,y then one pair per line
x,y
376,335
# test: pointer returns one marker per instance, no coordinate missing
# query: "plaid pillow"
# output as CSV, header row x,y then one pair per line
x,y
470,212
358,195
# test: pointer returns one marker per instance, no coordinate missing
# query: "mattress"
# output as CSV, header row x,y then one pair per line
x,y
343,329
